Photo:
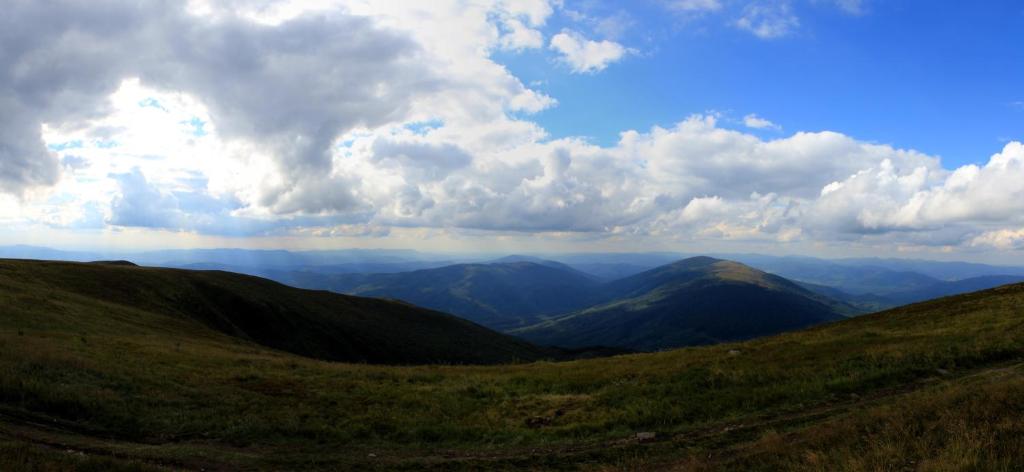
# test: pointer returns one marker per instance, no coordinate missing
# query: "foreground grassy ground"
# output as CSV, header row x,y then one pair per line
x,y
87,384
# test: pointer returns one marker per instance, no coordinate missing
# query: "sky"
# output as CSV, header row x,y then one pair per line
x,y
817,127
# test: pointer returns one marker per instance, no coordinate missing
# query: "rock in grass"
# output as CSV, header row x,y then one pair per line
x,y
646,436
538,421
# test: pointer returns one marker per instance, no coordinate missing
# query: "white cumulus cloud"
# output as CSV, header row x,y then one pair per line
x,y
1001,239
585,55
768,19
756,122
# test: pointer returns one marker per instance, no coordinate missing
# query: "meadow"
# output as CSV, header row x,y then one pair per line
x,y
92,384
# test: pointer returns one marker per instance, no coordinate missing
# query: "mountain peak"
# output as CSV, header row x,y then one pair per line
x,y
697,261
705,267
698,300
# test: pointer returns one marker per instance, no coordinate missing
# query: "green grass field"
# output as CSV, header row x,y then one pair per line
x,y
89,384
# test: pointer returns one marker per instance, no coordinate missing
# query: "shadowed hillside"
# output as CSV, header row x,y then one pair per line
x,y
695,301
318,324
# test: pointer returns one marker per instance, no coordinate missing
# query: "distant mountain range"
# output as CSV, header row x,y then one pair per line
x,y
514,293
845,274
876,284
695,301
945,289
245,259
632,301
856,280
500,295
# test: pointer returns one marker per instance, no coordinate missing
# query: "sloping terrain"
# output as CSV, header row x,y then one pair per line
x,y
317,324
497,295
93,384
695,301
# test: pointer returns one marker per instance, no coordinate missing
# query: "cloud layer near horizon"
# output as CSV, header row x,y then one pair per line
x,y
257,118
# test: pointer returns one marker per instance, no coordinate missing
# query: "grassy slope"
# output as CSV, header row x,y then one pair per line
x,y
317,324
935,385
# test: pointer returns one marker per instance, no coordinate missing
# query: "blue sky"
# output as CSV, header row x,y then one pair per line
x,y
828,127
941,77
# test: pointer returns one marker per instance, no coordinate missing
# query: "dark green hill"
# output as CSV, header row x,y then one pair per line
x,y
317,324
498,295
695,301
